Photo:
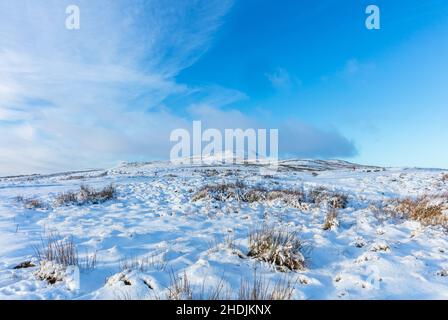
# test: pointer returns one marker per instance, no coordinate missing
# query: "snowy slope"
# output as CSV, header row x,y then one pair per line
x,y
154,220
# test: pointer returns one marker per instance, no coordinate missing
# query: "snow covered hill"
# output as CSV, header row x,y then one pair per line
x,y
189,231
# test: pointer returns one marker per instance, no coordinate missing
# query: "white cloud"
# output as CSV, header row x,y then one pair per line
x,y
89,98
73,99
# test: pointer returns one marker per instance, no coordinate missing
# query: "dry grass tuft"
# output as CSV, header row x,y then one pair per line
x,y
88,262
221,192
86,195
57,254
61,251
252,195
34,204
255,288
30,203
240,192
180,287
322,195
277,247
260,289
331,219
292,198
155,261
428,210
445,177
66,198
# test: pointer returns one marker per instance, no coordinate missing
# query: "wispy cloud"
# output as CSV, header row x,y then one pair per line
x,y
108,92
84,98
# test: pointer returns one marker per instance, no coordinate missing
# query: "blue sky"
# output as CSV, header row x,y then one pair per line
x,y
138,69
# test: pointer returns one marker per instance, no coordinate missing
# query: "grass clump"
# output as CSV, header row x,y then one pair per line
x,y
180,288
155,261
221,192
54,248
34,204
277,247
56,255
322,195
331,220
86,195
290,197
240,192
258,288
30,203
428,210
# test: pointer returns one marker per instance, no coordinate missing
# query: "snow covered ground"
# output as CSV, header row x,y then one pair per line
x,y
154,232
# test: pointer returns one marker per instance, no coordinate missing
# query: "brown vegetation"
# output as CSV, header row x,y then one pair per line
x,y
86,195
278,247
428,210
290,197
331,219
334,199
